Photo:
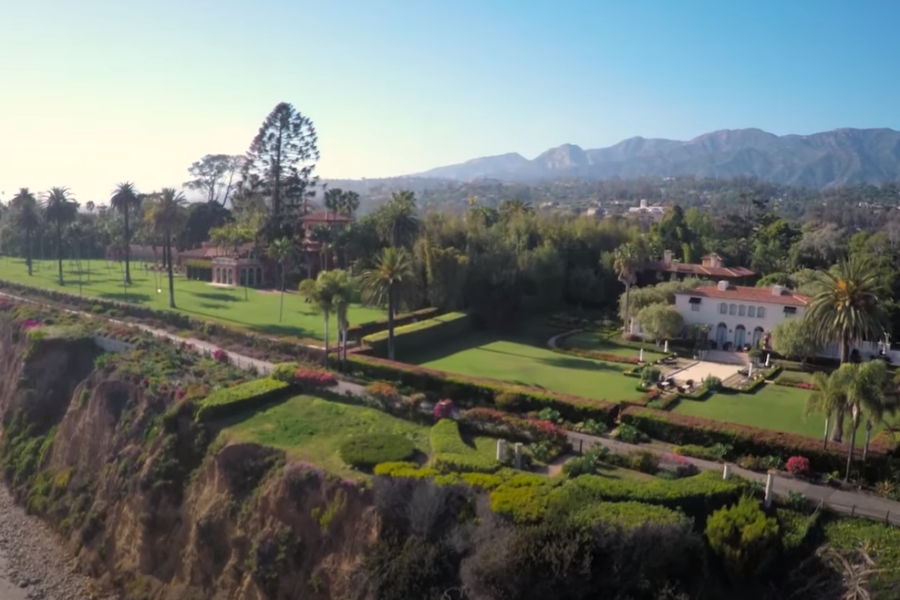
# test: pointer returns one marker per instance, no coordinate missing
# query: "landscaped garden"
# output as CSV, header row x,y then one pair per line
x,y
516,359
608,342
255,310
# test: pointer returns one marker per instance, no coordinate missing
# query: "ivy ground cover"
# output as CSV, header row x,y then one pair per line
x,y
520,359
199,299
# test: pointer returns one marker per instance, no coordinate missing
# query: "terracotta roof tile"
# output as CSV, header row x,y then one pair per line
x,y
700,270
324,216
749,294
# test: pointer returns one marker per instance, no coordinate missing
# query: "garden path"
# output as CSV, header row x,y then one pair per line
x,y
845,502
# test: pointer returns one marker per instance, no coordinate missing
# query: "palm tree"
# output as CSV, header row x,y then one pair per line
x,y
125,200
847,310
626,263
512,208
322,235
827,399
343,297
60,209
397,221
27,218
863,387
389,282
321,292
165,216
281,251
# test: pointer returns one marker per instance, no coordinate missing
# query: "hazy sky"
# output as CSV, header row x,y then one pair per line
x,y
98,91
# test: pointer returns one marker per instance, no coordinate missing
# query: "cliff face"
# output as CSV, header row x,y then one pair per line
x,y
151,505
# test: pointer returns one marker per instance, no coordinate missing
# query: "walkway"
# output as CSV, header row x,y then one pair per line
x,y
848,503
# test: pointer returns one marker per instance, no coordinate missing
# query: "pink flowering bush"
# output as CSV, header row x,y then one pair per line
x,y
497,422
797,465
314,379
30,324
220,356
444,409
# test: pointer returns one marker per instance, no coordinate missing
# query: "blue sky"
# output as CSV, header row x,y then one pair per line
x,y
98,91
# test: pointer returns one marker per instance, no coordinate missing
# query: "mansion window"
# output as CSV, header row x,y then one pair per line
x,y
742,311
790,311
732,309
723,308
761,312
751,311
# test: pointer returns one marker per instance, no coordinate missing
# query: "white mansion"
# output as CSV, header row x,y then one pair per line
x,y
738,316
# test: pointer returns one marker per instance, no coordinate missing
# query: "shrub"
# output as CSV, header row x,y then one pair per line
x,y
712,383
500,424
797,465
365,451
284,371
444,409
509,401
473,390
419,334
682,429
384,392
715,452
587,463
643,461
451,453
232,400
598,355
591,427
744,537
357,332
220,356
310,379
629,434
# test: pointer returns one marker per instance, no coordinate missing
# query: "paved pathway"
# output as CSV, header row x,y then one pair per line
x,y
844,502
856,503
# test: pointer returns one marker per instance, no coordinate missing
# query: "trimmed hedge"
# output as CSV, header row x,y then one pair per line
x,y
357,332
423,333
452,454
625,515
232,400
365,451
470,391
745,440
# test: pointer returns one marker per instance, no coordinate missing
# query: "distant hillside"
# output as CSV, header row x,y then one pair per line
x,y
820,160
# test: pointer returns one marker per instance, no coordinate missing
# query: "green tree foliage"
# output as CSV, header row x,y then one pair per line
x,y
126,201
60,209
25,215
744,538
661,293
796,339
213,176
661,321
390,283
166,216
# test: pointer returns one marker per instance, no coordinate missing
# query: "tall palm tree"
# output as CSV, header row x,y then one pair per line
x,y
513,208
863,387
125,200
166,215
27,218
281,251
389,282
827,399
59,209
321,292
626,262
397,221
343,297
848,310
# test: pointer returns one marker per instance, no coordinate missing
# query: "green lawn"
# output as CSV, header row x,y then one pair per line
x,y
519,360
312,429
606,342
259,312
775,407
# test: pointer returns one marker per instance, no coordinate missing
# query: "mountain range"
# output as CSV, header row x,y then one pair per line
x,y
830,158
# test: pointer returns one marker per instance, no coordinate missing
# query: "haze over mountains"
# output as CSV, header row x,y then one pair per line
x,y
838,157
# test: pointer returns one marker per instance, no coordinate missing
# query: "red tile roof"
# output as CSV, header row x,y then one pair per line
x,y
700,270
749,294
324,216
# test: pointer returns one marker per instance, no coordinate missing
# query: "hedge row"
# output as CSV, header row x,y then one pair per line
x,y
681,429
365,451
425,333
232,400
598,355
470,391
357,332
452,454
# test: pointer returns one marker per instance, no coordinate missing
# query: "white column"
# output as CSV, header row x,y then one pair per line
x,y
501,450
518,461
641,356
726,471
770,484
666,347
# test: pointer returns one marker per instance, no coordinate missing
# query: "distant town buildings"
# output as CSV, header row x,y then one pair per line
x,y
644,208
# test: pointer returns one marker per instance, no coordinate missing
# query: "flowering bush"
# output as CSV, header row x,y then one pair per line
x,y
30,324
314,379
383,392
444,409
496,422
220,355
797,465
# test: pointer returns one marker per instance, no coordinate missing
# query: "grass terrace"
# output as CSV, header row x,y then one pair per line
x,y
258,313
608,341
525,360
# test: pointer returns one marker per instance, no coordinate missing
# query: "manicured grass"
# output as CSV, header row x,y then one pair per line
x,y
312,429
775,407
607,342
258,313
513,359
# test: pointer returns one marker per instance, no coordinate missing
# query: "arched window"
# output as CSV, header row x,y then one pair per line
x,y
761,312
